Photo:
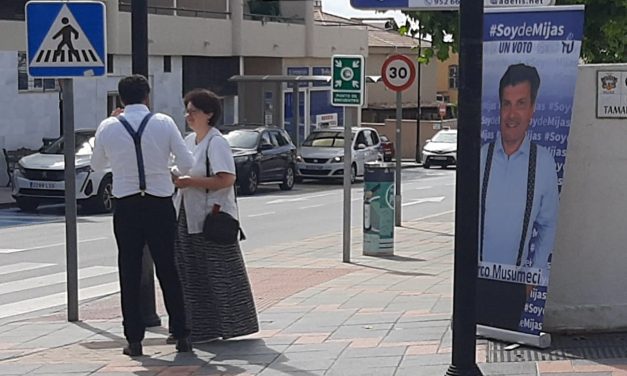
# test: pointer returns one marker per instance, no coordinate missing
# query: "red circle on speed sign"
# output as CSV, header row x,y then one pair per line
x,y
398,72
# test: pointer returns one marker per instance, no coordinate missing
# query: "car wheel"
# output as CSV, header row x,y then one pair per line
x,y
27,204
353,173
102,202
250,183
426,164
288,179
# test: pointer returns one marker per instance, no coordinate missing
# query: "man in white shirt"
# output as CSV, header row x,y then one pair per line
x,y
137,146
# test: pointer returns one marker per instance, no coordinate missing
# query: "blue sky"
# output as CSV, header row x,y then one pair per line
x,y
343,8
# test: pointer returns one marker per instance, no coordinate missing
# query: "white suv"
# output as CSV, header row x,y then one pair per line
x,y
39,178
322,152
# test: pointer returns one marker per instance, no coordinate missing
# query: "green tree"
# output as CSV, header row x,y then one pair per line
x,y
605,31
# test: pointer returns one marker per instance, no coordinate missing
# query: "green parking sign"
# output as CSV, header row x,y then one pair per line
x,y
347,80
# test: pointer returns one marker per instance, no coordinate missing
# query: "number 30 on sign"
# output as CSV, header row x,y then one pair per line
x,y
398,72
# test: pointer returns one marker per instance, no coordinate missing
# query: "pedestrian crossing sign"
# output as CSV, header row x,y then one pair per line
x,y
66,39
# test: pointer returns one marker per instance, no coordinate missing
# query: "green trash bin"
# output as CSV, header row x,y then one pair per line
x,y
378,210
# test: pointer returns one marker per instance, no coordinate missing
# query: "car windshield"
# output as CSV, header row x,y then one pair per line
x,y
447,137
325,139
84,145
242,139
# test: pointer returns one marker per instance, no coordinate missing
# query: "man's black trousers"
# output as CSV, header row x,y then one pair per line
x,y
137,221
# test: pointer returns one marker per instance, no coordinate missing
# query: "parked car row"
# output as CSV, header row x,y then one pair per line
x,y
263,155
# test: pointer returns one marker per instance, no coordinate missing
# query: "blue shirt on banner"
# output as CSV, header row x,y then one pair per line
x,y
505,204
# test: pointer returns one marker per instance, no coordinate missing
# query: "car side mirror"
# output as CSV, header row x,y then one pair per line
x,y
265,147
360,147
427,141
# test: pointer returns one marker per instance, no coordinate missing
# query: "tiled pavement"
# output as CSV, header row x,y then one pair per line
x,y
318,316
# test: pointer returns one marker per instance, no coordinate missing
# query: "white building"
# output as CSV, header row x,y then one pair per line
x,y
192,43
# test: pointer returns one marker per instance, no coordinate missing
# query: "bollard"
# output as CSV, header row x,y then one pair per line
x,y
378,210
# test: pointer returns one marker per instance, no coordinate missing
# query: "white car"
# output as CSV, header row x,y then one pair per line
x,y
441,150
322,152
39,178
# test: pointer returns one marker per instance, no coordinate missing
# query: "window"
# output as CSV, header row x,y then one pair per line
x,y
452,77
280,139
12,10
109,63
167,64
25,83
113,102
265,139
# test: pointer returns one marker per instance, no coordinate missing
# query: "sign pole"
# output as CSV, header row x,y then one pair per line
x,y
346,239
467,191
139,47
71,250
397,183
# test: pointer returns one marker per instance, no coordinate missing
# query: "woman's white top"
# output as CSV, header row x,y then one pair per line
x,y
198,202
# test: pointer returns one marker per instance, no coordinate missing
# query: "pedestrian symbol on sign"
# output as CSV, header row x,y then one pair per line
x,y
66,34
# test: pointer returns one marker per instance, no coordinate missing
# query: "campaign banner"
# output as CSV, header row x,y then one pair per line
x,y
530,59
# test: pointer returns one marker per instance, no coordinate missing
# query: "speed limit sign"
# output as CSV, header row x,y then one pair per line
x,y
398,72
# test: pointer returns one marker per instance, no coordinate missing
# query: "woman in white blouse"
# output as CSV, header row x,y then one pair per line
x,y
218,297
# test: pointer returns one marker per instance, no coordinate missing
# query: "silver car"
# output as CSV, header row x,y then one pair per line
x,y
322,153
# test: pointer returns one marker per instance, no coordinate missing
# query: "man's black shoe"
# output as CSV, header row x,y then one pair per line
x,y
184,345
133,349
171,340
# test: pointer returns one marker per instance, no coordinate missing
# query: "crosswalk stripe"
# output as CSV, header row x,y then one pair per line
x,y
82,55
22,267
51,279
54,300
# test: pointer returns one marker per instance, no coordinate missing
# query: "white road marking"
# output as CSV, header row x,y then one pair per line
x,y
260,214
311,206
51,279
15,250
54,300
22,266
423,200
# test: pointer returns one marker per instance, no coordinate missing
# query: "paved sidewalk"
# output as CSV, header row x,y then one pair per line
x,y
318,316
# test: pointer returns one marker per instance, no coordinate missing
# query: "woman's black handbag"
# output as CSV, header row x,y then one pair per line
x,y
221,228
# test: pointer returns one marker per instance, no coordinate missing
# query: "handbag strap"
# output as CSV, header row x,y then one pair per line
x,y
242,236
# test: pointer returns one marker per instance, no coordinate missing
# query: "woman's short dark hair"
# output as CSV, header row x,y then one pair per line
x,y
207,101
133,89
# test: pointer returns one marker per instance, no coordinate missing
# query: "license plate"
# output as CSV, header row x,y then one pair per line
x,y
313,167
42,185
439,158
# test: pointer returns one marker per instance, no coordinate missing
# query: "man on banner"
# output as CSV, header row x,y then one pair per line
x,y
519,201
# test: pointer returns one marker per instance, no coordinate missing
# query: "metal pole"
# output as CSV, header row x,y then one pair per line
x,y
71,251
139,36
418,112
349,117
467,191
297,114
139,47
397,183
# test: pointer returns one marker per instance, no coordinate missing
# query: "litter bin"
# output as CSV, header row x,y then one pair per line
x,y
379,209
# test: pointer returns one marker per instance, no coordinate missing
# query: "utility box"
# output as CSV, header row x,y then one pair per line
x,y
378,209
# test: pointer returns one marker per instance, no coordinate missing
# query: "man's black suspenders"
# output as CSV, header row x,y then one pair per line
x,y
531,183
137,137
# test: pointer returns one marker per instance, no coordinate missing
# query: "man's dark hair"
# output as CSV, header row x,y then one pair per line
x,y
207,101
133,89
519,73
